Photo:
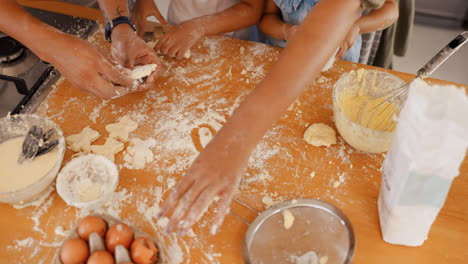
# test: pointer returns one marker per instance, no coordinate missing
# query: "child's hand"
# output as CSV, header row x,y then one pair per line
x,y
180,39
217,171
141,11
349,41
130,50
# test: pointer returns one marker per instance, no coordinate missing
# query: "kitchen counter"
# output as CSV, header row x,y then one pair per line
x,y
189,103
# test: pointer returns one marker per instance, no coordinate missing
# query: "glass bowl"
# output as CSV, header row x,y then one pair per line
x,y
363,83
18,126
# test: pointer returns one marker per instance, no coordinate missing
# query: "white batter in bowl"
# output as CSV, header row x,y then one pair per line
x,y
22,184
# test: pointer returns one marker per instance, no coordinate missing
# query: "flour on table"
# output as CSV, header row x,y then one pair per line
x,y
268,201
288,219
82,141
319,134
142,71
139,153
109,149
121,129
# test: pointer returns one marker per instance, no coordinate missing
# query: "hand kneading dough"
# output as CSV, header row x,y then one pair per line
x,y
83,140
320,134
142,71
109,149
121,129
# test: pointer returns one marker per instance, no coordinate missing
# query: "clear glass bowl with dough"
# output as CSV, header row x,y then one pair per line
x,y
87,181
350,93
37,185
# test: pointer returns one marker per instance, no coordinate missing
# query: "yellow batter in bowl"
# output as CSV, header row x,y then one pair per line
x,y
351,94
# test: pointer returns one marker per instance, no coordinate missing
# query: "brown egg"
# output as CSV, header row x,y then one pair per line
x,y
91,224
144,251
74,251
101,257
119,234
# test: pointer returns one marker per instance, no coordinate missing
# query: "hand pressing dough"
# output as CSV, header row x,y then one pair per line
x,y
142,71
288,219
319,134
109,149
83,140
152,44
138,154
121,129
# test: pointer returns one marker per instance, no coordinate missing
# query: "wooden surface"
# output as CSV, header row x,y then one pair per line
x,y
198,95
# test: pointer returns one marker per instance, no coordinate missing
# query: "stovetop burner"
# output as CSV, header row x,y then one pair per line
x,y
10,50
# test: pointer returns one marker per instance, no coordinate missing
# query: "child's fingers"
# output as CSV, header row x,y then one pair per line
x,y
173,51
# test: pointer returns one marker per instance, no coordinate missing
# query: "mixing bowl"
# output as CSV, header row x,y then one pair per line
x,y
18,126
365,84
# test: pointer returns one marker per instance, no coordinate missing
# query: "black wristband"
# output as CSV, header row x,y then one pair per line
x,y
115,22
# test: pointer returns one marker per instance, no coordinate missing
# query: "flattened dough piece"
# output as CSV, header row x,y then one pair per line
x,y
142,71
138,153
109,149
319,134
83,140
121,129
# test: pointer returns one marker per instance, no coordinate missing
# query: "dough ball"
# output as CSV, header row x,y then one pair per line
x,y
319,134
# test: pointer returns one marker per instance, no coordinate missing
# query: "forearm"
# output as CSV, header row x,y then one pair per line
x,y
114,8
240,15
299,63
379,19
273,26
20,25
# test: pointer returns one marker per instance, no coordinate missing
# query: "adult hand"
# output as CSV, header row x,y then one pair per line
x,y
349,41
129,50
87,69
217,171
179,39
141,11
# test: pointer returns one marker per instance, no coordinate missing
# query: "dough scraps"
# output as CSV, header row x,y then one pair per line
x,y
142,71
138,154
109,149
288,219
83,140
121,129
319,134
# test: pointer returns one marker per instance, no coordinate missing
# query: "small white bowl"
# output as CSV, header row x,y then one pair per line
x,y
87,181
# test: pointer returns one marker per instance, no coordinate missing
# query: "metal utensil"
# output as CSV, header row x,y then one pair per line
x,y
390,103
319,230
36,144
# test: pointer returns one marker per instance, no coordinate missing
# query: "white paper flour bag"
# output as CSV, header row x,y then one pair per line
x,y
428,147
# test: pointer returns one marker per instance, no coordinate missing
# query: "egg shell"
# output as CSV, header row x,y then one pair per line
x,y
119,234
144,251
74,251
101,257
91,224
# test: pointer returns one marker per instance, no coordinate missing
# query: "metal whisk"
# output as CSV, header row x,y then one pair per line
x,y
387,106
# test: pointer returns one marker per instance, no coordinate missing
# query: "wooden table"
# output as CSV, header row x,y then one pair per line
x,y
195,97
